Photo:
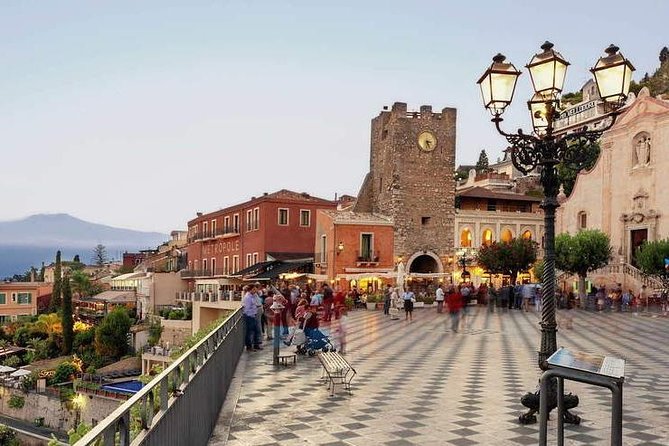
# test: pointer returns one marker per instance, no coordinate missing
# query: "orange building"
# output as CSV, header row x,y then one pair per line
x,y
21,298
354,248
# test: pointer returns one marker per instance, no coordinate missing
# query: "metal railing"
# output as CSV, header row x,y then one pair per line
x,y
209,296
368,256
622,268
190,392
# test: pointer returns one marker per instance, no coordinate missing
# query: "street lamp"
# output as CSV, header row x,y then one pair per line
x,y
466,256
543,151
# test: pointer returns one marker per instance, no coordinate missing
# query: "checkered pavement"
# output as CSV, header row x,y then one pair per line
x,y
419,383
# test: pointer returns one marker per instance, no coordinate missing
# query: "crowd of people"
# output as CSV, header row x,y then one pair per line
x,y
306,309
309,308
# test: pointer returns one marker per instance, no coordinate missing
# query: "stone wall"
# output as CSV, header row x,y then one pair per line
x,y
175,331
55,413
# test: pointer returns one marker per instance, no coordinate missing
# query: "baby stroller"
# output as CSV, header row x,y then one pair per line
x,y
308,341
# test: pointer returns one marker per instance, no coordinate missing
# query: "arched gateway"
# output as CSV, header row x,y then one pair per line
x,y
425,262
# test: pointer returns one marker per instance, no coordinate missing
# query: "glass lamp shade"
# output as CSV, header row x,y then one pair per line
x,y
541,107
613,74
548,70
498,84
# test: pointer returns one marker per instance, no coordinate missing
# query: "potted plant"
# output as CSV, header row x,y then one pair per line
x,y
371,301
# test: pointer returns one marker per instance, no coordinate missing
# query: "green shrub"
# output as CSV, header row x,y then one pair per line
x,y
83,339
63,373
22,336
155,331
8,436
16,402
29,382
12,361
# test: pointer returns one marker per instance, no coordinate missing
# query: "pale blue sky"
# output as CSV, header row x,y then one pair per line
x,y
139,114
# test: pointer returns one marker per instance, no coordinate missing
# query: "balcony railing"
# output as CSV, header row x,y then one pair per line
x,y
371,257
210,296
216,272
191,391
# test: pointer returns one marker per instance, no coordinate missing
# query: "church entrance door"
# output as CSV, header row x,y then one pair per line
x,y
638,238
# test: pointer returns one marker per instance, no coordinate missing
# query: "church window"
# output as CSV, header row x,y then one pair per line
x,y
507,236
487,238
466,238
582,220
527,235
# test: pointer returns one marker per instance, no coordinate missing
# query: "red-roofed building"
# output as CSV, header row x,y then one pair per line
x,y
277,226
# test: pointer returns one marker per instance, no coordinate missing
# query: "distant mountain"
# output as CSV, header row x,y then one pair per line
x,y
35,239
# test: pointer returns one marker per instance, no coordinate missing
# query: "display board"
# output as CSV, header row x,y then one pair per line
x,y
587,362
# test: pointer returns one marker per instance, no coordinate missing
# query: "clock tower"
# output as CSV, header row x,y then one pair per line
x,y
410,179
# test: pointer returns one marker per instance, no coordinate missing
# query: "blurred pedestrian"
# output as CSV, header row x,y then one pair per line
x,y
440,298
455,304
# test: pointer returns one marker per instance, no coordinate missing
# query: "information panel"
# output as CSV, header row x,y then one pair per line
x,y
597,364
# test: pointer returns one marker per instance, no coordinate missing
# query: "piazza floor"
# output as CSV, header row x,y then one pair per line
x,y
419,383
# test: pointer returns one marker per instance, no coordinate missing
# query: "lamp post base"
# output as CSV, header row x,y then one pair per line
x,y
531,401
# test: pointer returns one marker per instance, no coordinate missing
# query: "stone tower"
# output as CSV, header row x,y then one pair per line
x,y
410,179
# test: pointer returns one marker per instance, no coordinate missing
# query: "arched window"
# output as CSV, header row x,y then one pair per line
x,y
466,238
582,220
507,235
527,234
486,238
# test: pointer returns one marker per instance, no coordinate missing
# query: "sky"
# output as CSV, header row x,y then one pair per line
x,y
140,114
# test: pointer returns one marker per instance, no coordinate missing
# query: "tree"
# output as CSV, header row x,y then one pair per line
x,y
54,304
664,55
49,323
68,322
568,174
111,335
584,252
482,164
41,273
100,257
508,258
651,260
538,269
82,285
76,259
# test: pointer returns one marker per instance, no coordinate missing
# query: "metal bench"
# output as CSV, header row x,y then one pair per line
x,y
336,370
284,356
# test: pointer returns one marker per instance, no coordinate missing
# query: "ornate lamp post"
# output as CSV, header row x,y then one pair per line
x,y
543,151
466,256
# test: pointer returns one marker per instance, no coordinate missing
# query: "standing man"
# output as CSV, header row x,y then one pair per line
x,y
328,301
386,299
250,311
455,304
440,299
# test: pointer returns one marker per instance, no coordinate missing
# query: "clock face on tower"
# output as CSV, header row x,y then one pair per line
x,y
427,141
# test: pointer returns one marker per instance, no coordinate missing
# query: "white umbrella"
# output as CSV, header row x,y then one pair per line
x,y
6,369
20,372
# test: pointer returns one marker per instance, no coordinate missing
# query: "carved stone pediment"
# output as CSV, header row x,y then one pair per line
x,y
639,217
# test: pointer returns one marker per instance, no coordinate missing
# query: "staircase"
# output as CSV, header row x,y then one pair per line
x,y
629,276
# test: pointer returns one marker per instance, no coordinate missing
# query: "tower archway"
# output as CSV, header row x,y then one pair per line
x,y
425,262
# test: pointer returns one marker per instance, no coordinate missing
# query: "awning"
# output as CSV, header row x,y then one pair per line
x,y
275,271
113,297
254,269
370,275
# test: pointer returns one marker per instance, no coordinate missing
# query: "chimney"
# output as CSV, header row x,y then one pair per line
x,y
199,214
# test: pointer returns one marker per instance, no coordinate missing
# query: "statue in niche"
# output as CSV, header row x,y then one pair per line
x,y
642,151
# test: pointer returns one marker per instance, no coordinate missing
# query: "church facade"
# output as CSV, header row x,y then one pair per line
x,y
625,194
411,180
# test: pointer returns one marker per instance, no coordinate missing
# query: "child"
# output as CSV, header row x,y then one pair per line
x,y
341,330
